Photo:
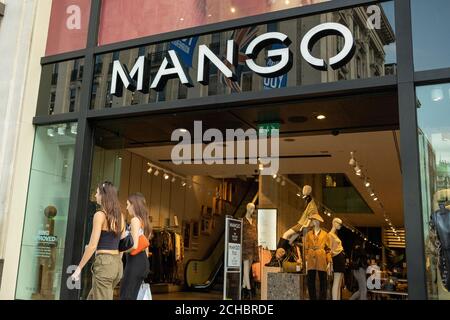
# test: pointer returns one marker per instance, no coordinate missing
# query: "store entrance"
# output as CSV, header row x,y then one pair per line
x,y
318,140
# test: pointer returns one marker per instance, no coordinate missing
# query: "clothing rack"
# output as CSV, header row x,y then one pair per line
x,y
167,254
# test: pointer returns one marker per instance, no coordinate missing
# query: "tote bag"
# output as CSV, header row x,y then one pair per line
x,y
144,292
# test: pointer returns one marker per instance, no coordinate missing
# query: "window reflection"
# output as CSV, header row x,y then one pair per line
x,y
141,18
430,25
375,56
433,110
60,88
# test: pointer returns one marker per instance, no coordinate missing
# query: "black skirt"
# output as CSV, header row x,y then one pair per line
x,y
339,263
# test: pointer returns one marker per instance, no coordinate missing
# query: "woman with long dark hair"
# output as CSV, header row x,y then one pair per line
x,y
107,230
137,265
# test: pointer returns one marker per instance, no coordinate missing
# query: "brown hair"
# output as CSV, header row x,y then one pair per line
x,y
139,204
111,207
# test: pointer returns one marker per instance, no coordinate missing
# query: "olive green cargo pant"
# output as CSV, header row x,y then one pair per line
x,y
107,271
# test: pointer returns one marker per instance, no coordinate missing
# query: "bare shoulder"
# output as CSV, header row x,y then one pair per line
x,y
99,215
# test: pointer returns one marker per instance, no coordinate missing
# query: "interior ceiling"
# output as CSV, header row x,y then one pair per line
x,y
365,124
377,152
356,113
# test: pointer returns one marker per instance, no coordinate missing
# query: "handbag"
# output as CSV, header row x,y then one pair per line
x,y
126,243
290,264
143,244
144,292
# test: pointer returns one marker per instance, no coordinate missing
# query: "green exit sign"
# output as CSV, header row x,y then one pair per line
x,y
269,126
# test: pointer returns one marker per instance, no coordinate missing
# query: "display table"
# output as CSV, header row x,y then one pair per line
x,y
285,286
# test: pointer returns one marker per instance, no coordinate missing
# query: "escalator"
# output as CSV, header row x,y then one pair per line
x,y
205,274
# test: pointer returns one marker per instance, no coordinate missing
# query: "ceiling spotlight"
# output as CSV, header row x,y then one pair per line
x,y
74,128
233,9
321,117
278,179
329,214
437,95
367,183
51,132
261,167
375,199
181,19
62,129
299,195
365,239
371,193
173,179
274,176
166,176
357,170
387,220
156,173
287,2
183,184
352,161
150,170
283,183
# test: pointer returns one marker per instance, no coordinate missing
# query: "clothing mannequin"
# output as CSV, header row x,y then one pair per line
x,y
249,244
338,256
290,235
318,257
439,228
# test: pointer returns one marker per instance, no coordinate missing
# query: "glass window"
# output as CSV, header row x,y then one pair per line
x,y
374,47
430,25
433,110
68,29
60,87
140,18
44,232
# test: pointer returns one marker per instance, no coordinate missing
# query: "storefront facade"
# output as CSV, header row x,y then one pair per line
x,y
396,48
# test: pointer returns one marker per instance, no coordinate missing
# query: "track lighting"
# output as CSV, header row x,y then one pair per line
x,y
367,183
173,179
183,184
375,199
357,170
166,176
274,176
156,173
352,161
283,183
149,170
261,167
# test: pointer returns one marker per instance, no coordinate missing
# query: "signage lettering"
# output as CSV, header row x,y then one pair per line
x,y
279,54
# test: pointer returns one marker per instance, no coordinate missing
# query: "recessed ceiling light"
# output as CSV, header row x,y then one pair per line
x,y
321,117
233,10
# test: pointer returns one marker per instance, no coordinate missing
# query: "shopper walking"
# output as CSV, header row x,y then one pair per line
x,y
359,266
107,230
137,265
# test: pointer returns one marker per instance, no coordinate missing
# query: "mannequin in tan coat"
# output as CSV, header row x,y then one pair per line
x,y
318,257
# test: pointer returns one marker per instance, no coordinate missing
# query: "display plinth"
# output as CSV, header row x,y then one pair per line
x,y
264,284
285,286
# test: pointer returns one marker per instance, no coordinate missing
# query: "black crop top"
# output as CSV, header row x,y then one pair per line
x,y
108,241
